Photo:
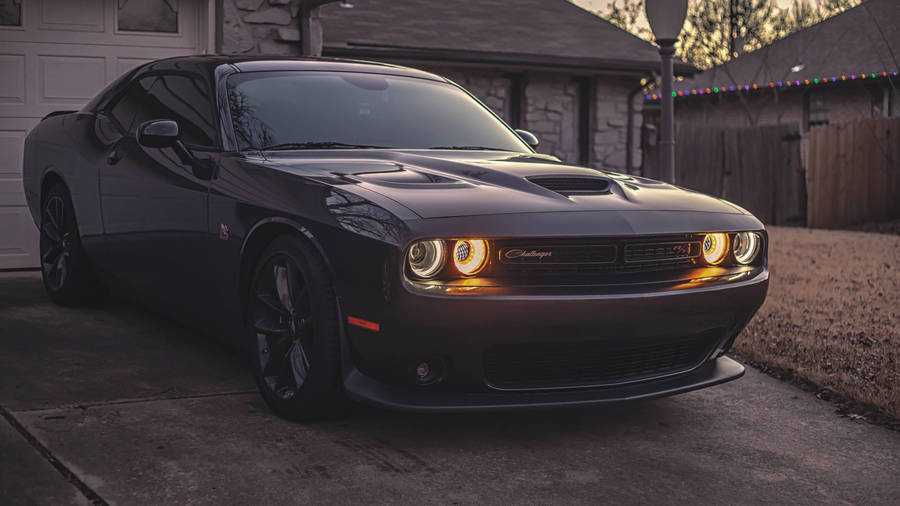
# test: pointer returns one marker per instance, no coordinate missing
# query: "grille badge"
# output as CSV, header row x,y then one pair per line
x,y
558,254
527,253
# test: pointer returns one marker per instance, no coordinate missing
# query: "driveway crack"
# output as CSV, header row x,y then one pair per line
x,y
45,452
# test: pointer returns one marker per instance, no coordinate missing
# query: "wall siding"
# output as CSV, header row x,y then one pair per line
x,y
844,104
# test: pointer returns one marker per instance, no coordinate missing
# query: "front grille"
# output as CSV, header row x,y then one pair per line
x,y
573,185
558,254
593,363
653,252
587,258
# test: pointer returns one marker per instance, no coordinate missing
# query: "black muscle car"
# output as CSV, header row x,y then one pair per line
x,y
374,232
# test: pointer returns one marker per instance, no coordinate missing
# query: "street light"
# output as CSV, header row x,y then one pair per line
x,y
666,18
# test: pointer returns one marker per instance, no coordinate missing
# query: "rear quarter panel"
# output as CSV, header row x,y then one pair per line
x,y
65,146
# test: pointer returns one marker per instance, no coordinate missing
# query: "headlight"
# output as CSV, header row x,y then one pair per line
x,y
746,246
715,247
426,258
469,256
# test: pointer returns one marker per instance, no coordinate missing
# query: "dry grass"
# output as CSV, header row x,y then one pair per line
x,y
832,316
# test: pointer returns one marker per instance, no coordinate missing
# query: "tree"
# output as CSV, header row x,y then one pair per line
x,y
718,30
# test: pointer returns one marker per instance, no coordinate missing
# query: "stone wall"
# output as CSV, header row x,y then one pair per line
x,y
551,113
611,123
260,27
551,109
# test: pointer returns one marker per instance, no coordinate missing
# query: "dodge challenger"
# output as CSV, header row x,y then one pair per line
x,y
371,232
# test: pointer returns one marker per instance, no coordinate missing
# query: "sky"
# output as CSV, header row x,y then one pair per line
x,y
603,5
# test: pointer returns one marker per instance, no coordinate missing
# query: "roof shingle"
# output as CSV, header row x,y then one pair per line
x,y
510,31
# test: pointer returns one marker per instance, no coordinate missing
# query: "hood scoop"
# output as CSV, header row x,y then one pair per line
x,y
573,185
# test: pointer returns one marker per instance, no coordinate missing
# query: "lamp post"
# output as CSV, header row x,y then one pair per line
x,y
666,18
311,25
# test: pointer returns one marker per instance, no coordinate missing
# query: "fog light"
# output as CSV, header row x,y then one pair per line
x,y
423,371
430,371
715,247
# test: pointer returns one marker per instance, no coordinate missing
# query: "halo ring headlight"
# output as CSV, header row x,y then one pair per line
x,y
469,256
426,258
715,248
746,246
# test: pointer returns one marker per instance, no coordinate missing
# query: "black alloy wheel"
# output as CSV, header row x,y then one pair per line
x,y
56,242
292,320
69,279
282,318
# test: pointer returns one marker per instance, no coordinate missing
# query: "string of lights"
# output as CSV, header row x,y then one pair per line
x,y
773,84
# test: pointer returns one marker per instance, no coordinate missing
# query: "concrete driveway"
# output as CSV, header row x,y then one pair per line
x,y
114,404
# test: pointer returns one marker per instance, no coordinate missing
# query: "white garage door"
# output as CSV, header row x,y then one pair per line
x,y
56,55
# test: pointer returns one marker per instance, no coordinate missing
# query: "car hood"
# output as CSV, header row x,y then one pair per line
x,y
438,184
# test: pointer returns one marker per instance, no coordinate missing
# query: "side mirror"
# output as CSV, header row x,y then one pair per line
x,y
164,133
529,138
158,133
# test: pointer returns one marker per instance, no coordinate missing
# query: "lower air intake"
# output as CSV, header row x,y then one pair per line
x,y
593,363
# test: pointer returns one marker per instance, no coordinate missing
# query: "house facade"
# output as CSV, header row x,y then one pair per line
x,y
547,66
842,69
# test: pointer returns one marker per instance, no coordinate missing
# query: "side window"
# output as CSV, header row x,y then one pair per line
x,y
181,98
186,100
133,108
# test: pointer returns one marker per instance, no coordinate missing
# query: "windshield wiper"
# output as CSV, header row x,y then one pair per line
x,y
469,148
318,145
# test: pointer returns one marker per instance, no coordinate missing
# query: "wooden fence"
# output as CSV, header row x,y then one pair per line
x,y
854,172
757,168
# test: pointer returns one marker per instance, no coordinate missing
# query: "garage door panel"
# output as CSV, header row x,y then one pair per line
x,y
95,22
70,79
81,15
12,79
11,148
19,242
125,64
11,191
63,55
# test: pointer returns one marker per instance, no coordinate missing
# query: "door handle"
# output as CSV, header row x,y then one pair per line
x,y
113,157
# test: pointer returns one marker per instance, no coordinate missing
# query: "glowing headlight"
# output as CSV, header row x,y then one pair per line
x,y
746,246
426,258
469,256
715,247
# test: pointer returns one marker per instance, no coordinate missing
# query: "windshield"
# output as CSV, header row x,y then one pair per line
x,y
315,110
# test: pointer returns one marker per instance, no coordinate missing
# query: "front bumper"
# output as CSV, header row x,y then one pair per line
x,y
459,329
367,390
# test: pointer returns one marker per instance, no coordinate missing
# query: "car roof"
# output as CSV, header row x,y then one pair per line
x,y
207,64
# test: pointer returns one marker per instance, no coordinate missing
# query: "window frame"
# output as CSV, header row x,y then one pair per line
x,y
176,33
21,25
808,116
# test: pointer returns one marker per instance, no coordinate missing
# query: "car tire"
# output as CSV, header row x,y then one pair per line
x,y
69,278
293,332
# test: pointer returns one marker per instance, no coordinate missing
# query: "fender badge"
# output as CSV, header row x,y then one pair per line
x,y
224,232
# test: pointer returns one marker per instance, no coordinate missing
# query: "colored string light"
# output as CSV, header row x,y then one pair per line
x,y
774,84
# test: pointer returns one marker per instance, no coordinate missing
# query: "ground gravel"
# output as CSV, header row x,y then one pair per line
x,y
832,314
